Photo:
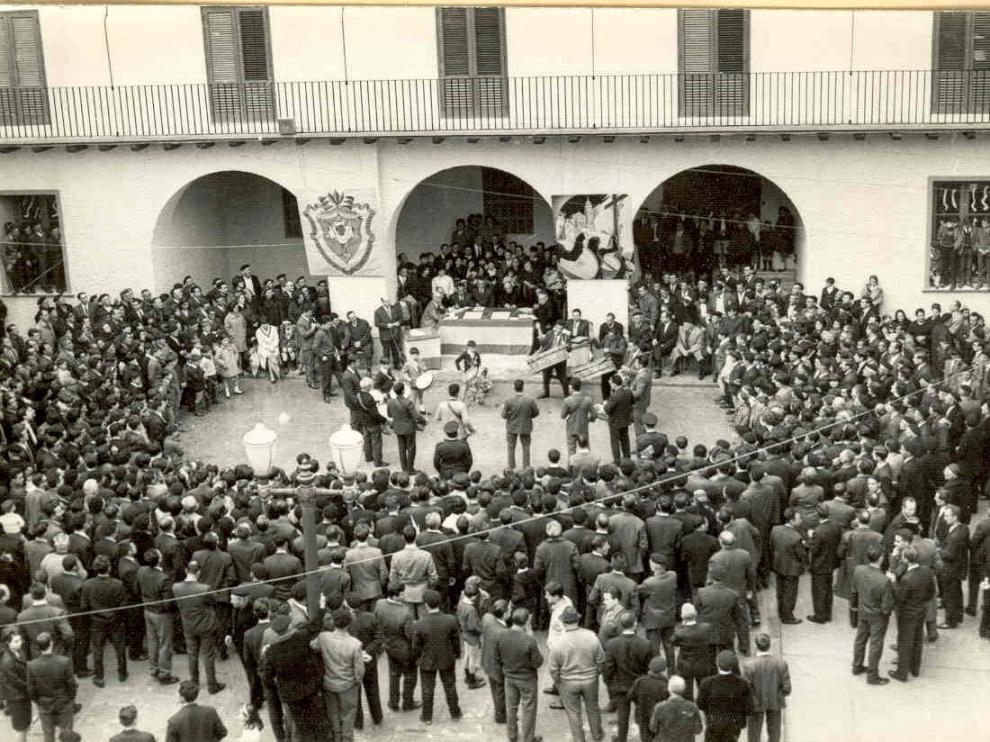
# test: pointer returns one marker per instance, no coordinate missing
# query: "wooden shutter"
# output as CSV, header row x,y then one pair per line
x,y
255,64
23,93
696,63
489,61
950,61
731,63
979,64
238,63
472,60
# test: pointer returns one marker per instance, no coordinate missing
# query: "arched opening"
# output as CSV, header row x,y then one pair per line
x,y
498,202
220,221
714,216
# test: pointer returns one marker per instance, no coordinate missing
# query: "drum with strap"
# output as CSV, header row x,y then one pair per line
x,y
424,381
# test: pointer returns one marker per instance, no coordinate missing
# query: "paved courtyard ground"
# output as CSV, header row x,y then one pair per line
x,y
827,703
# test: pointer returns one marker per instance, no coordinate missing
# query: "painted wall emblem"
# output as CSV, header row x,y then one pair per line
x,y
340,227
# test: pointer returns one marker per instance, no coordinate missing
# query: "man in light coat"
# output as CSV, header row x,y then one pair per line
x,y
770,678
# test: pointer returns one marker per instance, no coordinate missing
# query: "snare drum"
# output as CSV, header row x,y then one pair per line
x,y
424,381
381,401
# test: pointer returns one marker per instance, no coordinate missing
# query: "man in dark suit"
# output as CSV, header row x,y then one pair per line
x,y
350,386
954,551
194,723
770,679
664,340
627,657
453,454
388,320
912,594
128,718
396,621
871,601
518,412
789,559
405,422
436,644
103,595
260,692
823,561
252,286
370,422
554,337
517,659
726,699
618,407
657,596
718,606
51,685
199,625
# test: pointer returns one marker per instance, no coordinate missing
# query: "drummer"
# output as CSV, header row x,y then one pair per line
x,y
384,378
579,342
411,372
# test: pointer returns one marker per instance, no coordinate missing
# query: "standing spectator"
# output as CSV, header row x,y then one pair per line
x,y
657,596
290,665
437,646
576,660
469,621
557,560
194,723
726,700
52,686
343,670
696,658
414,569
718,606
68,584
366,630
127,716
13,681
954,551
518,412
912,596
395,618
646,692
627,532
823,558
40,617
199,626
366,567
453,454
578,410
518,659
871,601
493,625
627,657
789,559
619,410
216,569
406,420
159,616
388,320
770,679
103,595
677,719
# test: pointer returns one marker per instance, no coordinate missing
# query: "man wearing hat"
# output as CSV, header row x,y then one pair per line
x,y
575,661
646,692
726,699
453,454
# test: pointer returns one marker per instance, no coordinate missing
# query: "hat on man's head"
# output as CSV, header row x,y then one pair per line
x,y
649,419
727,660
569,615
451,428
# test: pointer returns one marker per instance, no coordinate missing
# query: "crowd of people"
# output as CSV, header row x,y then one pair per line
x,y
861,458
31,246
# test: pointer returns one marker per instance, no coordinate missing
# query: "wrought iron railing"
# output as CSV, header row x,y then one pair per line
x,y
483,105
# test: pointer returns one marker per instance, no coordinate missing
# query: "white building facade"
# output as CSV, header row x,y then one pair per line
x,y
166,142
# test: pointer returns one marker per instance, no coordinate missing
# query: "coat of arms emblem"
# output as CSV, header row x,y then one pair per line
x,y
341,230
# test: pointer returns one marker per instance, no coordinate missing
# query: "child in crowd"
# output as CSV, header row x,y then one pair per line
x,y
475,378
470,623
288,345
411,371
228,363
209,367
554,469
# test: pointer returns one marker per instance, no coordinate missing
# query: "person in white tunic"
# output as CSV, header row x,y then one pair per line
x,y
268,357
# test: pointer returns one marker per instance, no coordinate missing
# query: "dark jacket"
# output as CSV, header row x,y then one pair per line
x,y
518,412
824,547
195,723
396,622
451,457
51,684
198,615
295,669
627,656
789,553
913,592
103,593
618,407
697,655
726,700
955,553
436,641
405,419
517,655
13,676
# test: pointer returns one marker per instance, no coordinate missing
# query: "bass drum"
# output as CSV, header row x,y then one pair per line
x,y
424,381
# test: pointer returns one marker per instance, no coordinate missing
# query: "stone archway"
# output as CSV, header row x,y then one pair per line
x,y
718,205
221,220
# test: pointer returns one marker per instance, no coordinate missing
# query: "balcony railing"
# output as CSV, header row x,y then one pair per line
x,y
858,100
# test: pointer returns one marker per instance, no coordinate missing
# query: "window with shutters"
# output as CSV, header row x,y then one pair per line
x,y
508,200
290,215
713,58
962,63
472,61
23,94
239,64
